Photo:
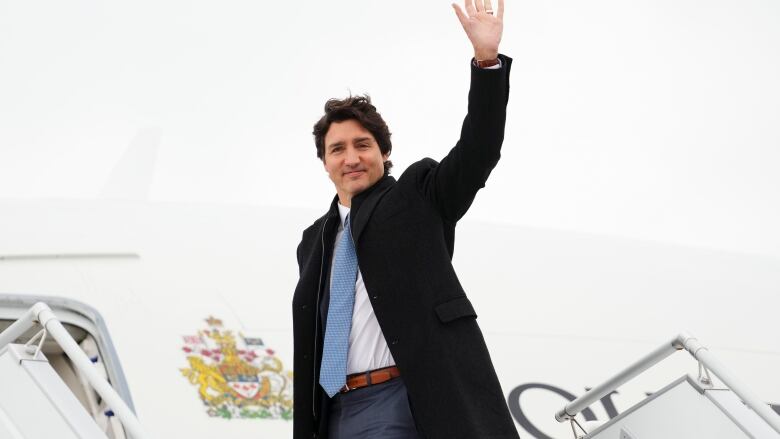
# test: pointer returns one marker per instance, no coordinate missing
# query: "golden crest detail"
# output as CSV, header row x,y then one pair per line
x,y
237,377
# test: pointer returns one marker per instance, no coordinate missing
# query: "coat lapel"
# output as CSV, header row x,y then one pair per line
x,y
363,204
328,231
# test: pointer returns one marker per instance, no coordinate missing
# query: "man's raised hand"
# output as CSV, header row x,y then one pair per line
x,y
483,26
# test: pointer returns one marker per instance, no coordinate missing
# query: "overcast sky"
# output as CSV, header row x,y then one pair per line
x,y
656,120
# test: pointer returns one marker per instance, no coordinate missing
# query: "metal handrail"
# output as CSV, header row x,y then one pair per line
x,y
42,314
700,353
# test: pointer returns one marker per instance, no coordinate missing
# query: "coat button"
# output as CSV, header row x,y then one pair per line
x,y
305,356
303,306
394,342
375,297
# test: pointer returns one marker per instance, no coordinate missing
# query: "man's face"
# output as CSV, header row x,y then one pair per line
x,y
352,158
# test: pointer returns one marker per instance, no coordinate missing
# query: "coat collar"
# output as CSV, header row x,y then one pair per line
x,y
363,205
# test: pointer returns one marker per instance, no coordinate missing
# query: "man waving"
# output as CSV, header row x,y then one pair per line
x,y
386,340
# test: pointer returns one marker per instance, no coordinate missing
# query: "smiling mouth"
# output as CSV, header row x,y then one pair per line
x,y
353,173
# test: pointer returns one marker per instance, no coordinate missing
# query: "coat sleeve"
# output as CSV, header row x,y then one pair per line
x,y
452,184
299,257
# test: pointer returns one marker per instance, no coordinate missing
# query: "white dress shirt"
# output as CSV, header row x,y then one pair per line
x,y
367,346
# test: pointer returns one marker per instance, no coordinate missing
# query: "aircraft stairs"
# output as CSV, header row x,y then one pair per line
x,y
689,407
36,403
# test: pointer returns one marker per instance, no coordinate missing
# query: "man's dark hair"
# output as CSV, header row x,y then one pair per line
x,y
358,108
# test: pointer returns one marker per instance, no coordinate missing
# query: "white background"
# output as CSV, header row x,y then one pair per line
x,y
655,120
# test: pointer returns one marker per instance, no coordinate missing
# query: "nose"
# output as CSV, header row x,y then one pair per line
x,y
352,157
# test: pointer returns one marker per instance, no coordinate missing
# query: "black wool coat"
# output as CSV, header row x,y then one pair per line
x,y
404,234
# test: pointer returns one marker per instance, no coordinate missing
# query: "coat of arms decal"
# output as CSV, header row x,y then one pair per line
x,y
237,378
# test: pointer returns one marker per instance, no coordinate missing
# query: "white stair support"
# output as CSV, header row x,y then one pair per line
x,y
692,345
41,313
18,328
573,408
748,396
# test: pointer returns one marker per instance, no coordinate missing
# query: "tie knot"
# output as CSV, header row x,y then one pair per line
x,y
347,227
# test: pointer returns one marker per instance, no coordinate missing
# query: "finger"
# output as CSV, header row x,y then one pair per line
x,y
500,12
461,15
480,6
488,7
470,8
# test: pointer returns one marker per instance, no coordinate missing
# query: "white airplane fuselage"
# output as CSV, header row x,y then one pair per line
x,y
560,311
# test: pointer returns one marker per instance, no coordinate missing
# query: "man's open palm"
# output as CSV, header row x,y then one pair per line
x,y
482,26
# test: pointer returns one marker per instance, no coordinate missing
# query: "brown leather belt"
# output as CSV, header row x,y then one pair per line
x,y
365,379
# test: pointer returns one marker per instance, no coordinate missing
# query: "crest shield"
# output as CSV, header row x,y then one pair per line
x,y
237,377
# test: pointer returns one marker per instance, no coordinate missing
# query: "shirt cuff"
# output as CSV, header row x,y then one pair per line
x,y
493,67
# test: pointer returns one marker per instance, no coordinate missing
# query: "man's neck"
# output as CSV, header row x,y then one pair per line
x,y
345,201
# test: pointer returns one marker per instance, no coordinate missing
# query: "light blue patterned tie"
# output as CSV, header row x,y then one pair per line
x,y
333,371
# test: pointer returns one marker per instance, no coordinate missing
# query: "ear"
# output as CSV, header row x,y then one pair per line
x,y
385,157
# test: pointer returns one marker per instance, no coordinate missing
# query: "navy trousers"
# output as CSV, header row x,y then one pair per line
x,y
380,411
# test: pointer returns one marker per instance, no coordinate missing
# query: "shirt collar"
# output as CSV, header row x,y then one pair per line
x,y
343,212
